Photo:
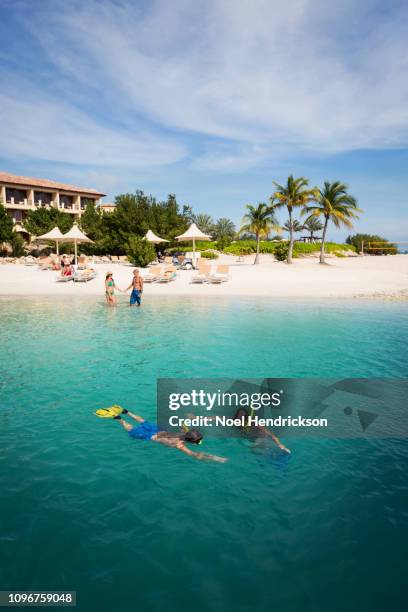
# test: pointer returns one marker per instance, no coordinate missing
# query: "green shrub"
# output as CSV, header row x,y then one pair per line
x,y
6,225
314,247
281,251
388,248
222,243
17,245
265,246
240,248
269,247
188,247
209,255
139,251
173,250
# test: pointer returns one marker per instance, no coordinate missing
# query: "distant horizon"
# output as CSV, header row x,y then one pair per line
x,y
211,101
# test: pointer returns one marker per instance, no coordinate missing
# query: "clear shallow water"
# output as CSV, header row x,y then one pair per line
x,y
85,508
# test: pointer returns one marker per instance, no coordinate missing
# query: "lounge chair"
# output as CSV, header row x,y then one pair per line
x,y
221,275
29,260
45,264
64,278
202,276
82,262
123,259
168,275
153,274
84,276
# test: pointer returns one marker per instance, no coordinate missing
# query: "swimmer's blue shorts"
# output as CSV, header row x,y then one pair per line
x,y
144,431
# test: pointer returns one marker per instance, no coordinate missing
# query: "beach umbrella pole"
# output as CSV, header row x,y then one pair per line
x,y
76,252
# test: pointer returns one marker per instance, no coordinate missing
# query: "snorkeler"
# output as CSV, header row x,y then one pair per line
x,y
150,431
257,431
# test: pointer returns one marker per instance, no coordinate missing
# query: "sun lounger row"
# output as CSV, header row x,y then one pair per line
x,y
79,276
83,276
205,275
27,260
158,274
111,259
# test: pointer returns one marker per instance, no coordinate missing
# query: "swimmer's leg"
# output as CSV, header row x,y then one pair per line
x,y
124,424
136,417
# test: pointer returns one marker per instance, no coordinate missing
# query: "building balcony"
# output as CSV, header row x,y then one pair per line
x,y
27,205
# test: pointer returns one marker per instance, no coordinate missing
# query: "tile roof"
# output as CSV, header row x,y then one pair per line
x,y
28,181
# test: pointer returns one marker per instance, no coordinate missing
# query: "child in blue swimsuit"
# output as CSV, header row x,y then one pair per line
x,y
150,431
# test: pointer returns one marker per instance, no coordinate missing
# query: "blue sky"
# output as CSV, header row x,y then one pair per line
x,y
210,100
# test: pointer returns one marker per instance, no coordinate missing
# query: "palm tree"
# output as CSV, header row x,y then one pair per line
x,y
313,224
259,220
224,228
336,205
204,222
295,225
292,195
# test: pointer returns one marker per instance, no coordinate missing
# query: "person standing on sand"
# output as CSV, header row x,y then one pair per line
x,y
137,289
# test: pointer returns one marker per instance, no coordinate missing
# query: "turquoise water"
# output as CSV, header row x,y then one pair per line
x,y
132,525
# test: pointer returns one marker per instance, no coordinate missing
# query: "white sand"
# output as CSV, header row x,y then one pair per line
x,y
366,276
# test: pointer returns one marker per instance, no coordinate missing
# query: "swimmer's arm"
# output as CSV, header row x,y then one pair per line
x,y
275,439
201,456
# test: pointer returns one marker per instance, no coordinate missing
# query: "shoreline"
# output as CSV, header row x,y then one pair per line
x,y
374,278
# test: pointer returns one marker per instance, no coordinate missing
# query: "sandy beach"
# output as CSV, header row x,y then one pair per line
x,y
376,277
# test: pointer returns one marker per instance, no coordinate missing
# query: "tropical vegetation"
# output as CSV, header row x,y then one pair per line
x,y
122,231
6,226
9,236
293,225
140,252
312,225
333,203
294,194
372,244
259,220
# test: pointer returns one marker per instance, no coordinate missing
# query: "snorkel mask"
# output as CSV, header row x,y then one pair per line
x,y
192,435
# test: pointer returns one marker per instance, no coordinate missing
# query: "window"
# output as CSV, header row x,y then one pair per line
x,y
19,195
43,197
66,201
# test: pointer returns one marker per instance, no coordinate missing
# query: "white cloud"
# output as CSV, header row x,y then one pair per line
x,y
296,74
265,78
40,126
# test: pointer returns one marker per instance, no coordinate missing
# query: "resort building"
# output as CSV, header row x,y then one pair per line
x,y
19,194
107,207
